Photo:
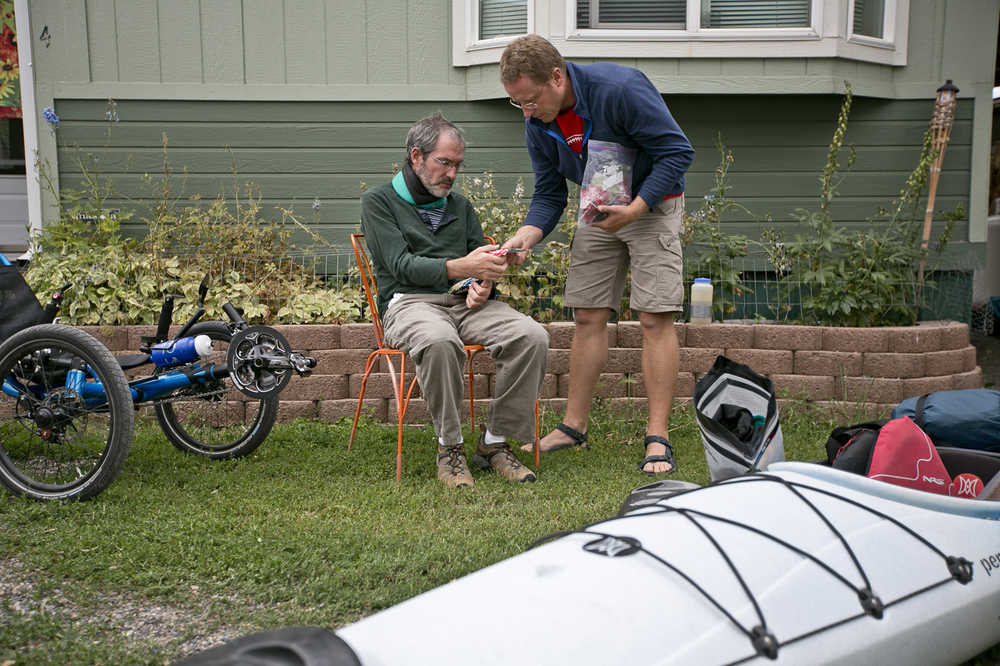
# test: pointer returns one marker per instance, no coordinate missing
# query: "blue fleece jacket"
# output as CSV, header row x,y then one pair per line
x,y
620,105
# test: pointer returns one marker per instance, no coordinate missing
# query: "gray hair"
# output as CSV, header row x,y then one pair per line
x,y
425,133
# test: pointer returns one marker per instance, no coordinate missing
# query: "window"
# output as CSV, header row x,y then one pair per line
x,y
672,14
11,146
873,31
500,18
625,14
869,18
755,13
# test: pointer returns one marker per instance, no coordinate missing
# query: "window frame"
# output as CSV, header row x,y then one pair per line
x,y
829,35
888,38
470,19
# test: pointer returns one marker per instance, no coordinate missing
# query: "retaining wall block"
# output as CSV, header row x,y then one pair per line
x,y
289,410
773,336
914,339
683,387
624,360
893,365
352,361
483,363
630,334
804,387
724,336
968,380
316,387
358,336
332,410
921,385
969,356
115,338
609,385
954,335
842,412
631,408
835,364
558,361
881,390
764,361
855,339
947,362
697,359
311,336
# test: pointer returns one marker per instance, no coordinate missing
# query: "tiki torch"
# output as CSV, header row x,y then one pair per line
x,y
941,122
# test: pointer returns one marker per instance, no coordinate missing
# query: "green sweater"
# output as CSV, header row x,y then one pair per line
x,y
410,258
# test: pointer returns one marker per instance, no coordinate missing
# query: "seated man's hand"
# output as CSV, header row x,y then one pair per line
x,y
479,293
478,264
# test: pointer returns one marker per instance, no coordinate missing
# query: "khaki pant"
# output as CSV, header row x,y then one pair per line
x,y
432,330
650,246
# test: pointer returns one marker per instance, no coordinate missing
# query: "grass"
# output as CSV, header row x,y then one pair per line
x,y
301,532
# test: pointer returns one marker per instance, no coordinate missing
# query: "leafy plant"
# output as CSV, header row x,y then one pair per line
x,y
854,278
536,285
717,253
120,280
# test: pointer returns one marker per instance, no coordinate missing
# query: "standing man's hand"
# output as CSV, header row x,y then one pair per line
x,y
619,217
525,238
479,293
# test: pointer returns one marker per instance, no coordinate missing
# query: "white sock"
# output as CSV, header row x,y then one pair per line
x,y
458,443
493,439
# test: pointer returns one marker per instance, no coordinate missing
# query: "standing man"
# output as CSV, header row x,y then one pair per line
x,y
423,237
566,106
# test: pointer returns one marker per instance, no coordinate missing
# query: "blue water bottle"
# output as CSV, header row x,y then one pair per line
x,y
178,352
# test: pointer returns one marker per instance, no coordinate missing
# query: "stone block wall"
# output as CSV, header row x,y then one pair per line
x,y
836,368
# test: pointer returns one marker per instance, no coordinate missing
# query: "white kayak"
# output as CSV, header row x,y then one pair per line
x,y
802,564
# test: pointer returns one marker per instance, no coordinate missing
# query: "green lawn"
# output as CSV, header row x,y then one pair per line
x,y
300,533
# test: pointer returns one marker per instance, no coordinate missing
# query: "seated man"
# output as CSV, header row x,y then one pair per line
x,y
423,238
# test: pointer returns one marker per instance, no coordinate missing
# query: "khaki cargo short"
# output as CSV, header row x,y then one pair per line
x,y
650,246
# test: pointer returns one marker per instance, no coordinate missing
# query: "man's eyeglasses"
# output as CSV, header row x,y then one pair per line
x,y
530,106
448,164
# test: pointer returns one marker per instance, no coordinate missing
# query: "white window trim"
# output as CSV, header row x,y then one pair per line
x,y
888,39
830,35
694,31
465,29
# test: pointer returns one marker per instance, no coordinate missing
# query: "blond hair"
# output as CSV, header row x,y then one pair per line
x,y
530,56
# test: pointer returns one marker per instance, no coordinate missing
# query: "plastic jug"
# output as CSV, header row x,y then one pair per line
x,y
701,301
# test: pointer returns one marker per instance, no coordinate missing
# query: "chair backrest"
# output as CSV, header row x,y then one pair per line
x,y
368,282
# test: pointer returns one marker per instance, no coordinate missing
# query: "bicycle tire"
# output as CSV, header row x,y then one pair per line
x,y
220,427
53,445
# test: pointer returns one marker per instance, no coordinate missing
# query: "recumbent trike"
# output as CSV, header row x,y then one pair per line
x,y
67,408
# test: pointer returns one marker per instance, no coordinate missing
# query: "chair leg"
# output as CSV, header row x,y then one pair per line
x,y
357,410
472,393
538,437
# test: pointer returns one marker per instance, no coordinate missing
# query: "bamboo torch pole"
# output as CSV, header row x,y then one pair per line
x,y
941,122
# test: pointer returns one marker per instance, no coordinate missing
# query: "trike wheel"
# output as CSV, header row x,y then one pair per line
x,y
66,414
216,419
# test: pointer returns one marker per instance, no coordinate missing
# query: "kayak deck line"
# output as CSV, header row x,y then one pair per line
x,y
762,640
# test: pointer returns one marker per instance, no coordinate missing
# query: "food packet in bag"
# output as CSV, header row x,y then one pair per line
x,y
607,180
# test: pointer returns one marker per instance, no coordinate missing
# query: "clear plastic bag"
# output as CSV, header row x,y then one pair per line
x,y
607,180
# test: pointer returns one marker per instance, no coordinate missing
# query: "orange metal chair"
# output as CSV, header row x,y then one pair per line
x,y
383,350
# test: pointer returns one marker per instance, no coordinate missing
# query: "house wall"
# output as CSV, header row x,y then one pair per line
x,y
313,88
299,152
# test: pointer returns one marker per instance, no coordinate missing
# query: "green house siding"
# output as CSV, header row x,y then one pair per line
x,y
299,152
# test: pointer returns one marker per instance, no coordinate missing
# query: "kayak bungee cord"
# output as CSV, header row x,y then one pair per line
x,y
762,639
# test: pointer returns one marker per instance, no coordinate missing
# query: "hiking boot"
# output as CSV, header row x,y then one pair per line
x,y
501,460
452,468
